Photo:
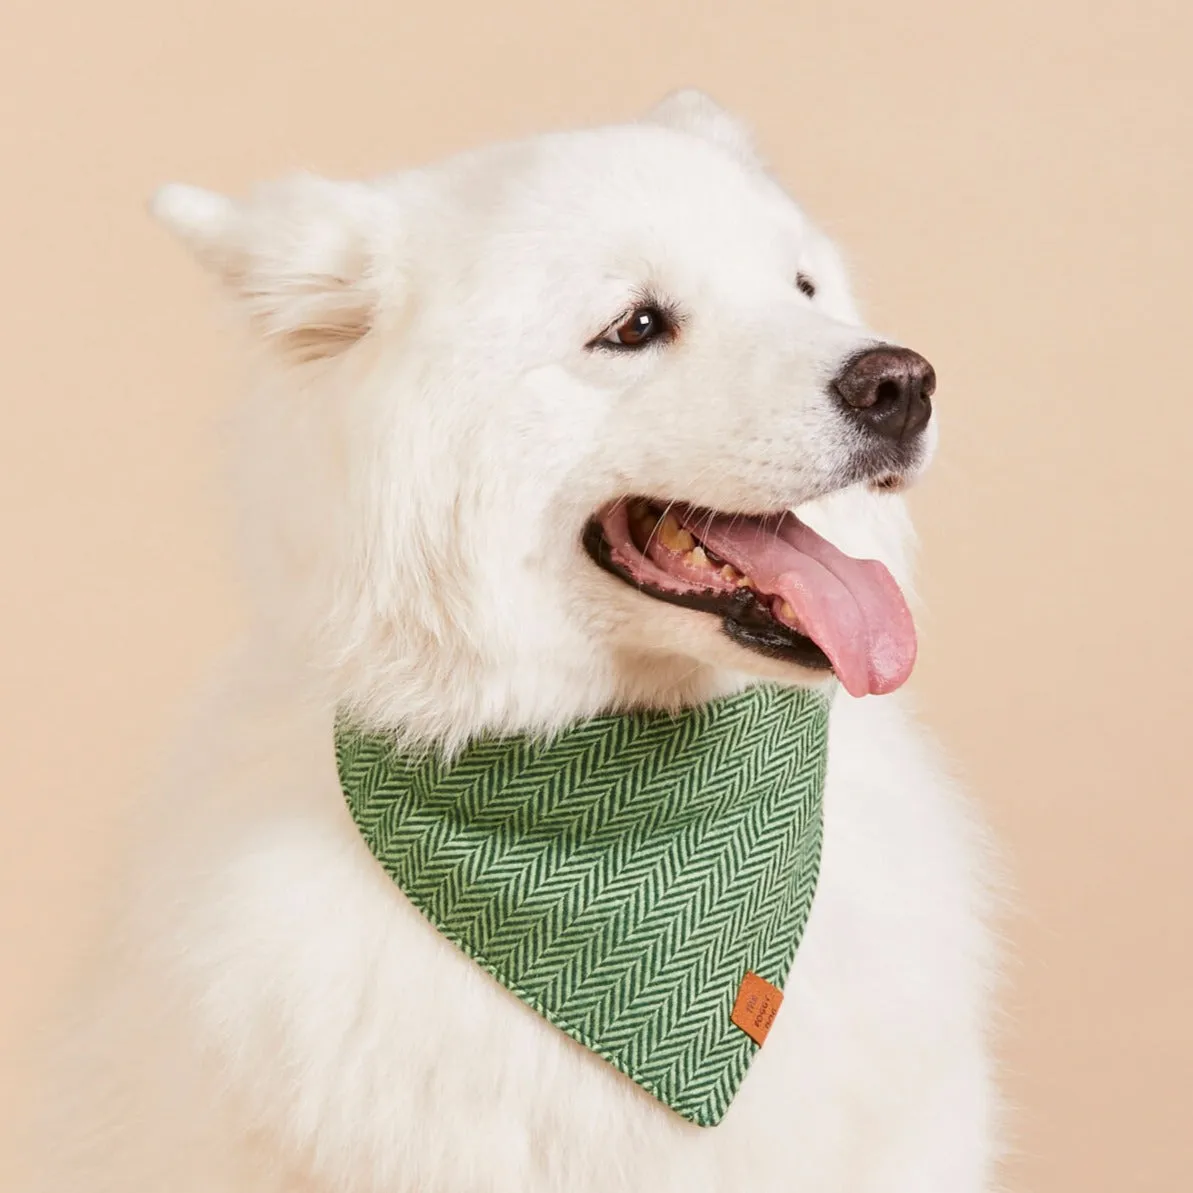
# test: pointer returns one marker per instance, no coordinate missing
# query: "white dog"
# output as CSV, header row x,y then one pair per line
x,y
480,387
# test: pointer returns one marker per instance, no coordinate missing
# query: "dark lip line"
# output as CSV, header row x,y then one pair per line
x,y
745,620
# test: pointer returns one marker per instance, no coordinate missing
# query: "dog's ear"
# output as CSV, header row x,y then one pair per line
x,y
304,259
692,111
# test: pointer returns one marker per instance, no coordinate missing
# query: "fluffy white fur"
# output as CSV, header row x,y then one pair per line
x,y
427,435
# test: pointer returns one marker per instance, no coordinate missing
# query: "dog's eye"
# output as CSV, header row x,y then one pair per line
x,y
641,326
805,285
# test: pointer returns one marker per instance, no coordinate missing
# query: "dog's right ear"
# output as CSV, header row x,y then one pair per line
x,y
309,262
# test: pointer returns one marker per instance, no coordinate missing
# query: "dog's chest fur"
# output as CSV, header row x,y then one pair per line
x,y
344,1043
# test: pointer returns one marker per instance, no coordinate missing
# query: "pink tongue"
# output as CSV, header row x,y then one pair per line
x,y
851,608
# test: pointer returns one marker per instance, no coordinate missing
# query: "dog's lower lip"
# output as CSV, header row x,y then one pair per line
x,y
744,618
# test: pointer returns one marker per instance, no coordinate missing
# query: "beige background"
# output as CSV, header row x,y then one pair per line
x,y
1014,181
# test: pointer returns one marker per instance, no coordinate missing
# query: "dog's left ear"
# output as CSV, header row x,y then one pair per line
x,y
304,260
692,111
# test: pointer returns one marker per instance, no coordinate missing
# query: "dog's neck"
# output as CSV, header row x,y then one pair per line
x,y
449,701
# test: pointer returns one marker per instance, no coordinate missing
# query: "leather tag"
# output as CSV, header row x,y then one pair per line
x,y
757,1005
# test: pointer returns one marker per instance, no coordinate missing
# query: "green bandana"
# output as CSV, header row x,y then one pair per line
x,y
642,881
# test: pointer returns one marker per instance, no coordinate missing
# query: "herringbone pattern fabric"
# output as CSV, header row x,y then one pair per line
x,y
622,877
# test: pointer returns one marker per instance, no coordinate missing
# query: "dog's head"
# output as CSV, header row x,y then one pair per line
x,y
529,423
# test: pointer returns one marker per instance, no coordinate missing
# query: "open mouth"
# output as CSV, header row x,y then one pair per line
x,y
777,586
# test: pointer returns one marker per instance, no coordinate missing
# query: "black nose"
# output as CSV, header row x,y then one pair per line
x,y
889,390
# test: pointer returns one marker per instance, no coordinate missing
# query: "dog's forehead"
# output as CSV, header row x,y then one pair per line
x,y
635,188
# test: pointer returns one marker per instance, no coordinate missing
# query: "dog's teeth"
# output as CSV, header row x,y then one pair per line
x,y
697,558
787,613
745,582
674,537
730,573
